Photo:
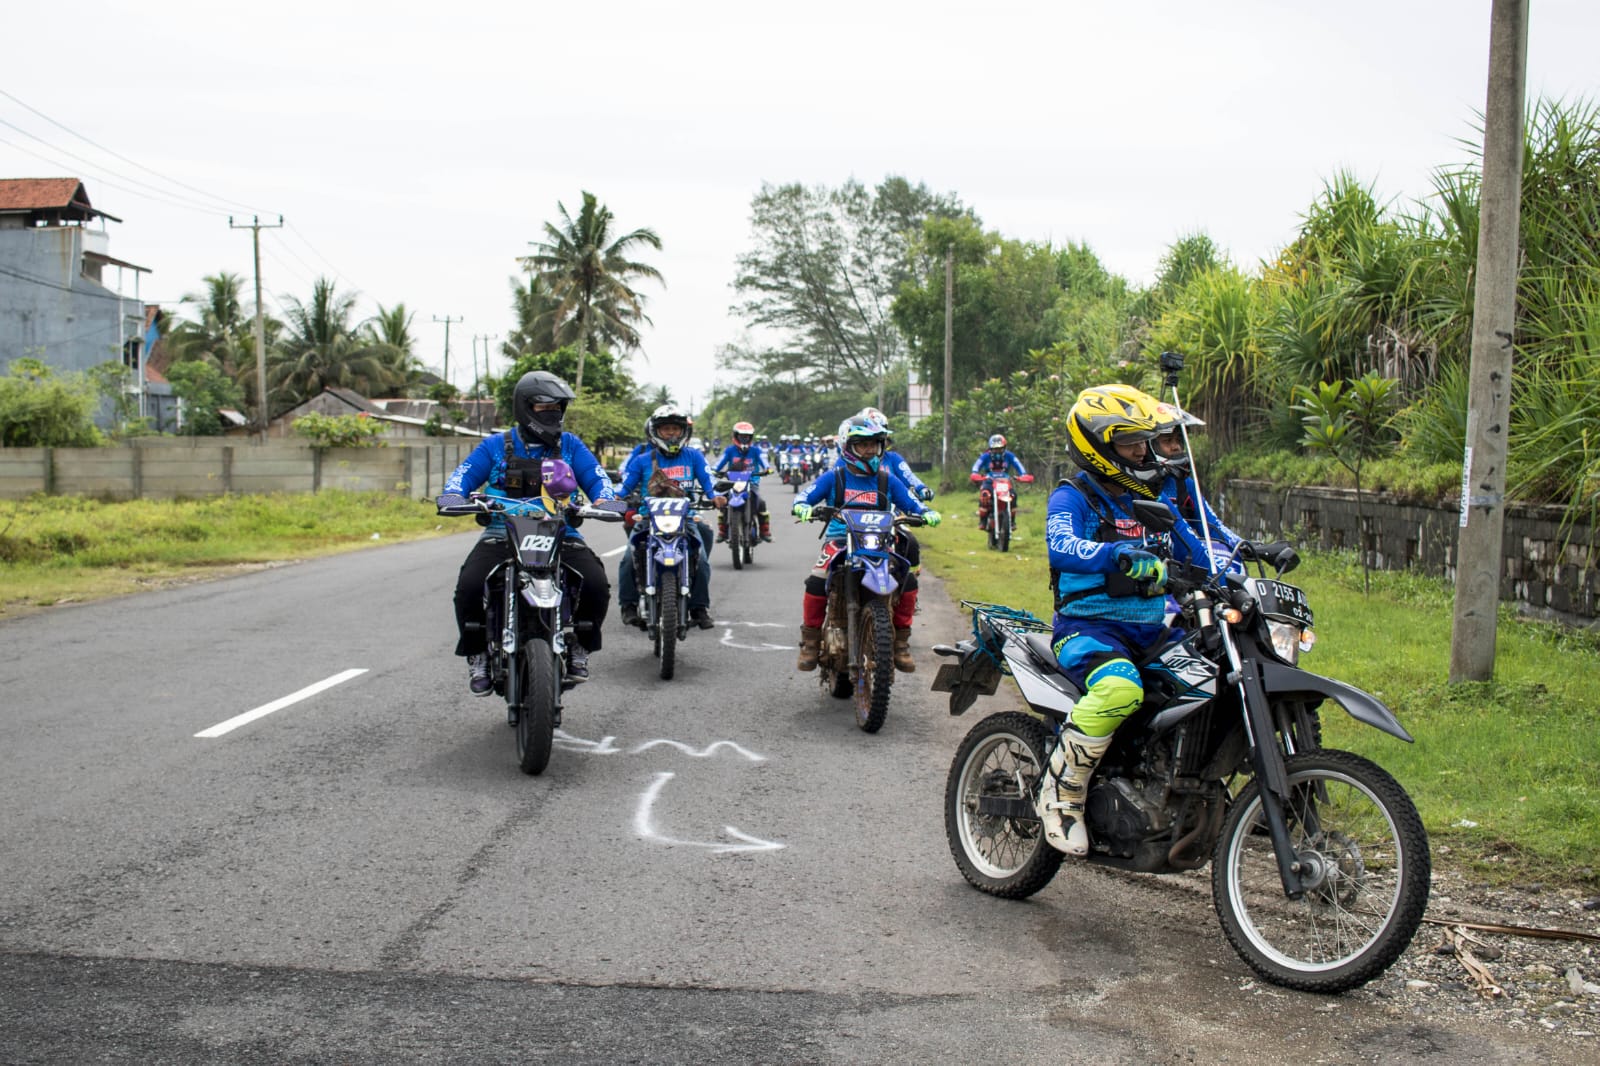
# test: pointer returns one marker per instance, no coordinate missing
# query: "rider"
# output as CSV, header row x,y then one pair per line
x,y
669,461
1108,588
988,466
508,465
754,457
894,460
862,482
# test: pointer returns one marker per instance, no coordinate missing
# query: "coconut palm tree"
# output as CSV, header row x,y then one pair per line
x,y
389,334
320,348
536,331
588,270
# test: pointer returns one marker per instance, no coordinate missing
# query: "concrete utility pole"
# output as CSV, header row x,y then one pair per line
x,y
1483,476
447,320
949,313
255,226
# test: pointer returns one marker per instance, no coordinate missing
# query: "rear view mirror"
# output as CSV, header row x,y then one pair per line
x,y
1154,515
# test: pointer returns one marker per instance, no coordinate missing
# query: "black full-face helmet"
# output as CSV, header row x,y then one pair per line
x,y
540,427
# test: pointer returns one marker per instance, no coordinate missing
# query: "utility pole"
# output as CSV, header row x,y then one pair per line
x,y
949,316
447,320
1494,308
255,226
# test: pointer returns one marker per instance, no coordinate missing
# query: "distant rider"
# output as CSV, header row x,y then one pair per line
x,y
744,449
989,465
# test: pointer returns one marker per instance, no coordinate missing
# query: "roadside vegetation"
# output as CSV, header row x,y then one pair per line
x,y
65,549
1502,772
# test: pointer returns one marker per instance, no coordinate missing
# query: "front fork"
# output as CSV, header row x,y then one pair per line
x,y
509,648
1267,760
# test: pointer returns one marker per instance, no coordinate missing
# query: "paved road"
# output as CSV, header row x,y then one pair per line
x,y
720,868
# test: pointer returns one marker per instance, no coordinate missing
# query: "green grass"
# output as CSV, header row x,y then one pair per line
x,y
65,548
1516,756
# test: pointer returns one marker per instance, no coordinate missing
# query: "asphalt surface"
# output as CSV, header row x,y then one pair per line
x,y
719,868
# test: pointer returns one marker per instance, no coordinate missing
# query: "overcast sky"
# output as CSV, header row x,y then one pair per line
x,y
416,150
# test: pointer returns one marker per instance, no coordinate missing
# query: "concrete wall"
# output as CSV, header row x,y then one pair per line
x,y
1548,569
163,468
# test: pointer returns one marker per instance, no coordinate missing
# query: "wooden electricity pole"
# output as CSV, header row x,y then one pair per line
x,y
949,312
1483,481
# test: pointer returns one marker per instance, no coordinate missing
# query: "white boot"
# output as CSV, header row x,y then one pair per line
x,y
1062,790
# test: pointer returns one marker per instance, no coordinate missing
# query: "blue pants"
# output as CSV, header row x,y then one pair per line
x,y
699,584
1097,654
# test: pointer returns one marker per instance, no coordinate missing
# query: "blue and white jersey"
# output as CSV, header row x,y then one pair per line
x,y
897,466
991,465
484,470
688,465
861,491
755,454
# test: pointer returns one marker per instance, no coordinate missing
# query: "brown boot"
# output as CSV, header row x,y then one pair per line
x,y
902,652
810,648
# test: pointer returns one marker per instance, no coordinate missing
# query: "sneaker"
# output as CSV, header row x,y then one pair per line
x,y
701,617
478,675
577,663
630,615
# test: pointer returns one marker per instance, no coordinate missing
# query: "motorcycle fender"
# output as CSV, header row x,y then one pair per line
x,y
542,592
877,578
1280,680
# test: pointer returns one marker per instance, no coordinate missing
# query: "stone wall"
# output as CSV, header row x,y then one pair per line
x,y
1546,568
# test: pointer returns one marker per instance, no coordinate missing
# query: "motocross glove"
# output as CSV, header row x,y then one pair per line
x,y
924,493
931,517
1141,566
802,511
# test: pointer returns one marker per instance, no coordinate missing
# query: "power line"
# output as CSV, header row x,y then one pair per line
x,y
65,288
94,174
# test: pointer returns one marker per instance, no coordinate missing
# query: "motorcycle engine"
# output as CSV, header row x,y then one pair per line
x,y
1121,816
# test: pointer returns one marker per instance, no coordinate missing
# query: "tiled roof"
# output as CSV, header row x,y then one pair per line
x,y
41,194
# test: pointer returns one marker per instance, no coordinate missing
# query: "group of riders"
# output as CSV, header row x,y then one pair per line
x,y
1106,571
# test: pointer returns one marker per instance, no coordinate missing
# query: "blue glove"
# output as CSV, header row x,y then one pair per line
x,y
924,493
1141,566
451,502
802,511
931,517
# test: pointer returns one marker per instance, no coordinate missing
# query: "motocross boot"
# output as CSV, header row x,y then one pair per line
x,y
810,648
902,652
1063,788
766,527
722,527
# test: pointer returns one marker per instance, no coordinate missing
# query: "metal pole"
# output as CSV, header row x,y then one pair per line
x,y
255,227
949,312
1483,481
447,320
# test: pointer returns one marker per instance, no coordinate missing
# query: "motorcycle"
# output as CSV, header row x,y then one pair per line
x,y
528,614
664,561
857,649
1320,867
743,524
1002,519
791,470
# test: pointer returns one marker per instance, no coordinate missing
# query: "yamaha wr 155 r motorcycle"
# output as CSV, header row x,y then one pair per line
x,y
1320,867
743,526
665,559
857,650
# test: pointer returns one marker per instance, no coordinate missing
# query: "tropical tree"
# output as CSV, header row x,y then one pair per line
x,y
388,333
535,309
320,348
586,266
204,390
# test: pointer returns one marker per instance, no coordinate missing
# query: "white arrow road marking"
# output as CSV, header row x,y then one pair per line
x,y
712,750
603,746
729,642
277,705
756,625
642,826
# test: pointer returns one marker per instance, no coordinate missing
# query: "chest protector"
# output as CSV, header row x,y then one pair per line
x,y
1105,532
524,477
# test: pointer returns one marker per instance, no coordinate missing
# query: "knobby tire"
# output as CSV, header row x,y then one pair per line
x,y
541,689
1002,855
667,603
875,645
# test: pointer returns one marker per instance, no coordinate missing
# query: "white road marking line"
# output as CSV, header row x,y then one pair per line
x,y
707,753
614,551
642,827
277,705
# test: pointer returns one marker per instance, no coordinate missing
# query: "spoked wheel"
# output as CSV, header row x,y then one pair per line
x,y
993,542
1001,523
541,689
875,643
1366,867
989,817
667,630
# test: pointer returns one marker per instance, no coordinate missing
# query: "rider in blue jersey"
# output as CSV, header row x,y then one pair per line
x,y
753,456
508,464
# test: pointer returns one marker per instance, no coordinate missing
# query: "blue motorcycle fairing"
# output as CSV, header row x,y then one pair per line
x,y
1280,680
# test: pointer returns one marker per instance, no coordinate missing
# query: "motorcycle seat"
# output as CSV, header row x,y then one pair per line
x,y
1039,645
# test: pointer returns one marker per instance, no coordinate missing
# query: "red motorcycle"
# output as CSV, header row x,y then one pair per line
x,y
1000,520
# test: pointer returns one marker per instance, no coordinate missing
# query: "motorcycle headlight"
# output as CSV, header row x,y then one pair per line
x,y
668,523
871,542
1289,640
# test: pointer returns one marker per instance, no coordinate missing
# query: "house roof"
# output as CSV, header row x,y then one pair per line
x,y
64,195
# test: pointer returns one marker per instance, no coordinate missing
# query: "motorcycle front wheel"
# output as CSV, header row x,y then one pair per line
x,y
989,817
541,688
1365,868
667,628
1002,524
875,653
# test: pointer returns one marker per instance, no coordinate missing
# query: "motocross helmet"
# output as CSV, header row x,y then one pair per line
x,y
1171,444
862,443
744,434
997,443
540,427
667,415
880,418
1105,417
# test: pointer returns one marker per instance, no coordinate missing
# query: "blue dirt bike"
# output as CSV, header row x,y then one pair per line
x,y
857,651
665,559
743,523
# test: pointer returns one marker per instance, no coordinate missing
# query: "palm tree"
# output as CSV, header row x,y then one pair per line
x,y
589,272
389,334
321,349
225,335
536,331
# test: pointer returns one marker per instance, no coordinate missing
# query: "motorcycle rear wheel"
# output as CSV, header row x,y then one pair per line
x,y
541,688
989,818
875,644
1368,870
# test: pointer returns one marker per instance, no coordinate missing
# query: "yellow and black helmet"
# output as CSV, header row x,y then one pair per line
x,y
1116,414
